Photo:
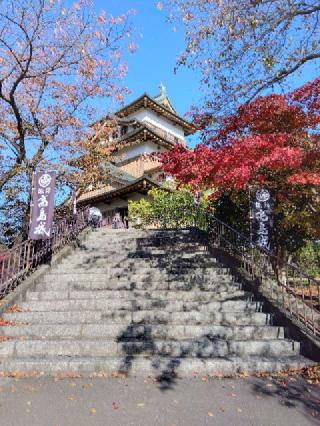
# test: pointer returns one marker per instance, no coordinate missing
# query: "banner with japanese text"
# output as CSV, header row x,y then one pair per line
x,y
74,202
262,206
42,206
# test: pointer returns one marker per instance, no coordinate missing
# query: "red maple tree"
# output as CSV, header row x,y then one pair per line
x,y
270,138
273,142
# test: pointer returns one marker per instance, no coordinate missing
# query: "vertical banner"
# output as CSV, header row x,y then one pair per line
x,y
42,205
262,206
74,202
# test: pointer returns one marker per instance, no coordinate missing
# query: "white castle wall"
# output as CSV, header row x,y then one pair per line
x,y
157,120
147,147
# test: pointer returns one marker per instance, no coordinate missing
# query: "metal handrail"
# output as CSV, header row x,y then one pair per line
x,y
288,286
18,262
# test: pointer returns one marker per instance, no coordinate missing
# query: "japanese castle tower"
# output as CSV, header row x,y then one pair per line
x,y
147,125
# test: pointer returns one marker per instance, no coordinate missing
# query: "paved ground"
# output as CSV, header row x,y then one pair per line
x,y
121,402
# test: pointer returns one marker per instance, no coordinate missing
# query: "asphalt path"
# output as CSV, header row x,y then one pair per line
x,y
145,401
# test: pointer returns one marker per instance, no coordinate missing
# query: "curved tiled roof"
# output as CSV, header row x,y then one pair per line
x,y
104,193
146,101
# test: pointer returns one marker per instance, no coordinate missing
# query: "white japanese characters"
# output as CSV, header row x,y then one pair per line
x,y
43,204
262,213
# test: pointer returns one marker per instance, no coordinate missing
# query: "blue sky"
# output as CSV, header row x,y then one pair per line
x,y
158,48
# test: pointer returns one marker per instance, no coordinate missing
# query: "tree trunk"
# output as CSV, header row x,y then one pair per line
x,y
279,265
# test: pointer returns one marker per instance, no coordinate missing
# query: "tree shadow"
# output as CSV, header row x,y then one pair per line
x,y
138,342
291,392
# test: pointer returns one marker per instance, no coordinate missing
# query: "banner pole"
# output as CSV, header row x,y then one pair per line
x,y
31,201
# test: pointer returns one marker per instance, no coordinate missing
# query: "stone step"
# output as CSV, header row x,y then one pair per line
x,y
157,317
99,276
87,271
101,330
139,233
143,302
144,238
136,273
150,285
199,348
183,250
132,253
152,366
140,304
136,264
233,294
168,246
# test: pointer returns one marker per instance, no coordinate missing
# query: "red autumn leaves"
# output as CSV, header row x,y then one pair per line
x,y
272,140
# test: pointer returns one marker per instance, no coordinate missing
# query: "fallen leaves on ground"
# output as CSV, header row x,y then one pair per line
x,y
119,375
309,373
87,386
14,308
99,374
4,322
16,374
67,375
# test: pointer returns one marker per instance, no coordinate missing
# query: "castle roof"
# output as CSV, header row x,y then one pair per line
x,y
142,185
118,175
148,131
161,105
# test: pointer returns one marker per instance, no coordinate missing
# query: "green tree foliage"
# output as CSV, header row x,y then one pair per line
x,y
309,258
168,209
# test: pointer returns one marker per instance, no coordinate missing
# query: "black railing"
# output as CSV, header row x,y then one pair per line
x,y
283,283
19,261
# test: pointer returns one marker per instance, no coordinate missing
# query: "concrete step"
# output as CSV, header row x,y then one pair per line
x,y
145,302
109,273
133,278
140,304
202,347
167,245
143,331
157,317
136,264
134,250
137,273
152,366
192,295
151,285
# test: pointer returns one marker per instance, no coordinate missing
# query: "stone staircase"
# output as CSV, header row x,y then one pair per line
x,y
142,302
